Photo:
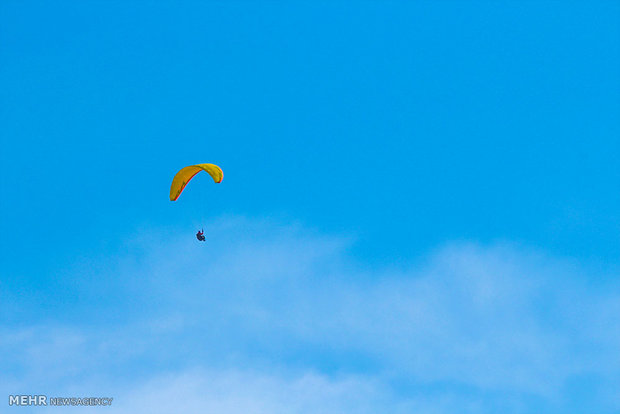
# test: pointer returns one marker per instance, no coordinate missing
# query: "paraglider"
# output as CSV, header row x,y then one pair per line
x,y
200,235
184,176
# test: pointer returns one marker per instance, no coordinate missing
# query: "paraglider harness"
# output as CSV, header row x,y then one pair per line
x,y
200,235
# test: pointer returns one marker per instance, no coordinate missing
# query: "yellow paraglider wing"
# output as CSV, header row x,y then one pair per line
x,y
183,177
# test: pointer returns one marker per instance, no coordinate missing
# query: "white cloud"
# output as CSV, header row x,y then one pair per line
x,y
275,318
254,393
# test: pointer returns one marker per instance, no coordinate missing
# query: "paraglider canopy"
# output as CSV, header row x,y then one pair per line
x,y
183,177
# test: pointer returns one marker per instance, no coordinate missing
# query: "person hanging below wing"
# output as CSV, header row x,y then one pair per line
x,y
201,235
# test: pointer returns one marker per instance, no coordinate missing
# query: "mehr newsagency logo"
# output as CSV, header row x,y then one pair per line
x,y
44,400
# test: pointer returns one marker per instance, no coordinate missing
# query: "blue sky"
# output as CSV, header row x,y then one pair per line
x,y
420,209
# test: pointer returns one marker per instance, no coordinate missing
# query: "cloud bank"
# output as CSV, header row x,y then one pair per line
x,y
272,318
